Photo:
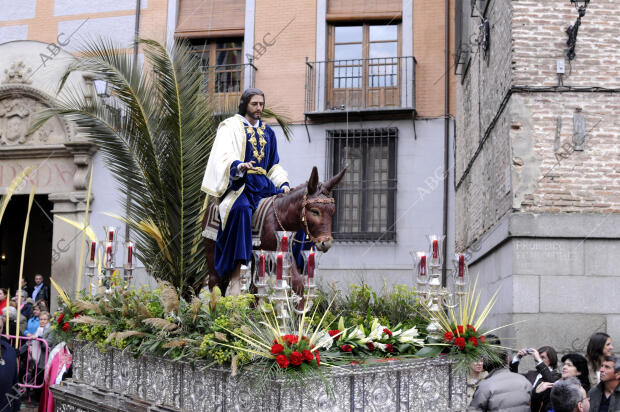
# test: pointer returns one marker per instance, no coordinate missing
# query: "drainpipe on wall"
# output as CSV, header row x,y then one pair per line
x,y
446,141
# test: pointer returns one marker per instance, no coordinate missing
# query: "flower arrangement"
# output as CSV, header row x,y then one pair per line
x,y
375,339
462,337
292,351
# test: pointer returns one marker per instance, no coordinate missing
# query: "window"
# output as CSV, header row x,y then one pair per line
x,y
463,9
365,65
366,196
222,66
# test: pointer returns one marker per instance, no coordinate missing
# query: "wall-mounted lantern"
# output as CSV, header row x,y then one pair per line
x,y
571,31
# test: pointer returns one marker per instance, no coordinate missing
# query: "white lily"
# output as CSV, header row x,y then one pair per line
x,y
325,341
410,336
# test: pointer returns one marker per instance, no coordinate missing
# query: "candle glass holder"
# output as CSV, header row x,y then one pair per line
x,y
435,249
420,272
111,236
129,261
92,248
460,274
261,268
245,276
285,240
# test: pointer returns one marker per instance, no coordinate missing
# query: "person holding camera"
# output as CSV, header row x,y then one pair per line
x,y
546,359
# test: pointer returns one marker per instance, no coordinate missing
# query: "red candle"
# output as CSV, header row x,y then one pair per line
x,y
461,266
129,254
108,255
435,249
311,265
261,266
279,267
284,244
93,249
422,267
111,235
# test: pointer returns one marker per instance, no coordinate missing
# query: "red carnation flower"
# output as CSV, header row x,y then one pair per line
x,y
296,358
473,341
276,348
370,346
346,348
460,342
282,360
77,315
65,327
334,332
387,332
389,347
290,339
448,336
318,358
470,327
461,329
60,318
307,355
482,339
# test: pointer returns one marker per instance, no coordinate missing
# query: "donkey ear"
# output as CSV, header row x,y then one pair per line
x,y
313,182
329,185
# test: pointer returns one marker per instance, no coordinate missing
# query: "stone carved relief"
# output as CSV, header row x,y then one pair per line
x,y
15,116
18,73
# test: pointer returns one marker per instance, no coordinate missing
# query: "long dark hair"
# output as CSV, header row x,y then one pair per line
x,y
246,97
551,354
595,348
582,367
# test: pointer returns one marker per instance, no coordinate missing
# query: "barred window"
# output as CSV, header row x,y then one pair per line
x,y
366,196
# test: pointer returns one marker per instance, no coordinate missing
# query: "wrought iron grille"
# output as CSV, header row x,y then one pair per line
x,y
366,197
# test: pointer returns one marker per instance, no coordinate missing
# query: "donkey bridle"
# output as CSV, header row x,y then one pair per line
x,y
304,204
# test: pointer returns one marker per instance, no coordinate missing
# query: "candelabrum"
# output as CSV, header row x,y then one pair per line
x,y
427,272
273,280
101,261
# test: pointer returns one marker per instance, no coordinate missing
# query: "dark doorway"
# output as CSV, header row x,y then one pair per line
x,y
38,256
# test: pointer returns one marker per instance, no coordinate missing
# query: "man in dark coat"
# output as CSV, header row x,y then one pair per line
x,y
9,391
40,291
605,397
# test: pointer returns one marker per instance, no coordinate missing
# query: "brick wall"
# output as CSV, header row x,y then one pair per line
x,y
546,175
281,68
482,197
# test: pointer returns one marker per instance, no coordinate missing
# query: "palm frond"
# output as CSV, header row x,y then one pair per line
x,y
155,133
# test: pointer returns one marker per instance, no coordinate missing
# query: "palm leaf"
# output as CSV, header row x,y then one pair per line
x,y
155,134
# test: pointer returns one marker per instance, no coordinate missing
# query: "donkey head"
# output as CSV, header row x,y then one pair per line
x,y
317,209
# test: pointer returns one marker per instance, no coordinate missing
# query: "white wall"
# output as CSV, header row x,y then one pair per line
x,y
419,204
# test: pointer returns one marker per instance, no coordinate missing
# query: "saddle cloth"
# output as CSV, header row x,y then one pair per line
x,y
258,218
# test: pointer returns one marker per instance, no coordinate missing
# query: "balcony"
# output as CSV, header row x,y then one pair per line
x,y
225,84
369,88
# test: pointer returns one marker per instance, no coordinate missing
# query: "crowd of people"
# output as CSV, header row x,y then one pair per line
x,y
33,323
587,383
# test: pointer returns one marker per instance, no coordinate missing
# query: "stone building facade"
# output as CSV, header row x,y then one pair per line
x,y
537,206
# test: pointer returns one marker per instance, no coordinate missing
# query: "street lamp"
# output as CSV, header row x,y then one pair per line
x,y
101,87
571,31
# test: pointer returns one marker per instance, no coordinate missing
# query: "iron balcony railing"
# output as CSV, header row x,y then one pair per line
x,y
225,84
360,84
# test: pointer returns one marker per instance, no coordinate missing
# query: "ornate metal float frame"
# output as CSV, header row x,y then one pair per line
x,y
114,380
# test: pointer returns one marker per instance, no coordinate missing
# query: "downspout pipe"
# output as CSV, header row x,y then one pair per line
x,y
446,141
